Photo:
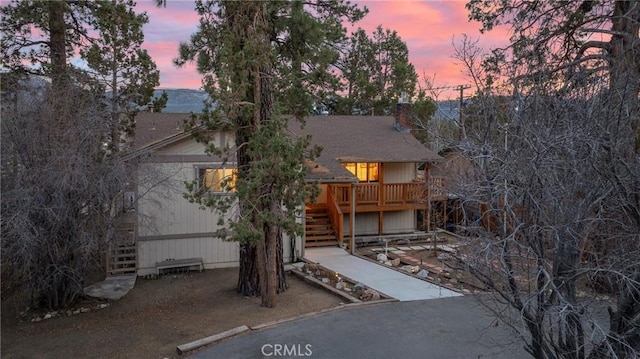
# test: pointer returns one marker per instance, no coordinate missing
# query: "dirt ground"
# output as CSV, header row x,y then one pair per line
x,y
154,318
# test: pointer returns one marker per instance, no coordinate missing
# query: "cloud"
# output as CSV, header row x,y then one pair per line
x,y
428,27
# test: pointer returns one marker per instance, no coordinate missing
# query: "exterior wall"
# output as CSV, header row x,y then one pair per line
x,y
169,227
393,223
398,172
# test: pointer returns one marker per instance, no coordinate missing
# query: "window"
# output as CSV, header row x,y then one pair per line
x,y
366,172
217,179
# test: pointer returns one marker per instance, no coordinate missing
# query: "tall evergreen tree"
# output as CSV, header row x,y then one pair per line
x,y
377,70
121,65
258,60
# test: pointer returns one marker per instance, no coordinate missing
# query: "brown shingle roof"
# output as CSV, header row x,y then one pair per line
x,y
154,127
342,138
359,139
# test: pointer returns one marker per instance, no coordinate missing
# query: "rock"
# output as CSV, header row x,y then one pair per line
x,y
415,269
395,262
310,267
103,305
47,316
347,288
466,291
325,280
369,294
340,285
407,268
359,287
388,263
85,310
443,257
382,257
423,274
69,313
77,311
36,320
453,281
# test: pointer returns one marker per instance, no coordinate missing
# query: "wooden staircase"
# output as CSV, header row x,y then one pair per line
x,y
121,258
319,231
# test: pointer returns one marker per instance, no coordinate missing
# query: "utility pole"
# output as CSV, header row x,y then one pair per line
x,y
462,133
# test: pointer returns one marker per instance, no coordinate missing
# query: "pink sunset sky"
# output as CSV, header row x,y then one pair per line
x,y
428,27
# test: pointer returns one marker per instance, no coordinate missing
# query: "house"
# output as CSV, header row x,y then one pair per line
x,y
372,174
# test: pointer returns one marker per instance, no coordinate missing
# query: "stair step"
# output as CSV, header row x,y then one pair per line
x,y
322,244
124,248
122,270
319,231
116,256
320,238
126,262
317,225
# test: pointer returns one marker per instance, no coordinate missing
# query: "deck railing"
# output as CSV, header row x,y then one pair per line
x,y
335,213
436,187
385,195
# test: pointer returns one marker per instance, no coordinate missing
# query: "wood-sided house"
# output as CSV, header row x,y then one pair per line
x,y
372,175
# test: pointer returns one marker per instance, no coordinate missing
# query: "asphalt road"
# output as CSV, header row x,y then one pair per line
x,y
455,327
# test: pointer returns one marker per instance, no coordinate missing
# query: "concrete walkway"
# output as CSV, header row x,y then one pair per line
x,y
112,288
383,279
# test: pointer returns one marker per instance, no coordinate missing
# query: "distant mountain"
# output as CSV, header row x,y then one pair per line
x,y
183,100
188,100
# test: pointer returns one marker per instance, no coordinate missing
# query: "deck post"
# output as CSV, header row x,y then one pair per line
x,y
352,219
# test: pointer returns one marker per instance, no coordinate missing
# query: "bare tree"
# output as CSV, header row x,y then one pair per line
x,y
60,190
553,206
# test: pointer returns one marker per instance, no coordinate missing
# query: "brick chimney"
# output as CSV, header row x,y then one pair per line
x,y
403,115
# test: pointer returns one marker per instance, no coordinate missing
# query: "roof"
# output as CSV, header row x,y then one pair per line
x,y
359,139
342,138
152,127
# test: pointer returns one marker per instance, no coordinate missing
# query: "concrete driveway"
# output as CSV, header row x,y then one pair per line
x,y
455,327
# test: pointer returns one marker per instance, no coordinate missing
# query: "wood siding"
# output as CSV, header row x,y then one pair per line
x,y
169,227
398,172
367,224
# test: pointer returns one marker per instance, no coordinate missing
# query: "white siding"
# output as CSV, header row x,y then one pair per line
x,y
191,147
393,223
214,252
399,222
169,227
162,208
398,172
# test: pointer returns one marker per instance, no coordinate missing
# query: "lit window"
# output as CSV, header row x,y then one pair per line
x,y
366,172
217,179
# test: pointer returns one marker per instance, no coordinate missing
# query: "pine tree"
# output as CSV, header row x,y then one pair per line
x,y
260,59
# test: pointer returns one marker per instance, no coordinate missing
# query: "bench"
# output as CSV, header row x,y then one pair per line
x,y
179,263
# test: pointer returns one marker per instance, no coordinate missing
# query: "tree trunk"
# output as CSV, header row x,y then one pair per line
x,y
248,272
57,42
625,67
282,279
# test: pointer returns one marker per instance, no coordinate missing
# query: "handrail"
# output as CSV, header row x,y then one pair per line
x,y
335,213
373,194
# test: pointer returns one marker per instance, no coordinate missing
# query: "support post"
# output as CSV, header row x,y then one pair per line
x,y
352,220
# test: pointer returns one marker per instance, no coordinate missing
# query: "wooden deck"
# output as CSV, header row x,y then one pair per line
x,y
367,197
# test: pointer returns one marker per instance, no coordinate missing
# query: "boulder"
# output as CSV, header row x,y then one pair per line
x,y
423,274
395,262
369,294
407,268
359,287
381,257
